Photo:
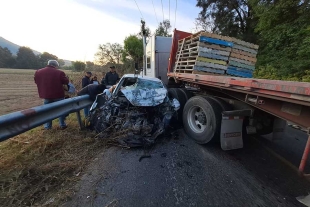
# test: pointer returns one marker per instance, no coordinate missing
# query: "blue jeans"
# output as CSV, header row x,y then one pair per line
x,y
86,111
62,123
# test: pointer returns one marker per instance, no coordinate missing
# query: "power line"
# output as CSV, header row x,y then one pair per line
x,y
175,12
169,10
139,10
162,8
155,12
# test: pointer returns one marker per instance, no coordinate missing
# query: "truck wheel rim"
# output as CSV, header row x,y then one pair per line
x,y
197,119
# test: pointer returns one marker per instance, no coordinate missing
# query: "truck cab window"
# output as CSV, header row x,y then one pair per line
x,y
148,62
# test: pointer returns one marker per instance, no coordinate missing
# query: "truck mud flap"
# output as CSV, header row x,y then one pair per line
x,y
231,129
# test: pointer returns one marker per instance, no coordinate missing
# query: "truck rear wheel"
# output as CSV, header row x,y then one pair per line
x,y
186,93
202,119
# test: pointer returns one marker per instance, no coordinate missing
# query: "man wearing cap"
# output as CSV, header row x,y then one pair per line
x,y
111,77
50,83
86,79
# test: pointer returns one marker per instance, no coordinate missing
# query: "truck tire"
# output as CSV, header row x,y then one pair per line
x,y
187,93
224,105
172,84
202,119
177,94
266,124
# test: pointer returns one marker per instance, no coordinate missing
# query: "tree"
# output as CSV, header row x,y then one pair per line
x,y
232,18
109,53
90,65
61,62
203,24
148,33
6,58
79,66
45,57
284,31
93,67
26,58
163,29
133,52
133,47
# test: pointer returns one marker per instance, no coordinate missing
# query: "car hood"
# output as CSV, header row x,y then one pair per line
x,y
145,96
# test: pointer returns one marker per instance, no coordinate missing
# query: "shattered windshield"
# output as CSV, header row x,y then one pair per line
x,y
144,83
145,92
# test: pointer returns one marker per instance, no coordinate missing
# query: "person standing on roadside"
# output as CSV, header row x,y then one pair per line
x,y
50,83
111,77
85,82
86,79
94,81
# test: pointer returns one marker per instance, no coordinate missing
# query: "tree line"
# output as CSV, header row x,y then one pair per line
x,y
281,28
124,56
25,59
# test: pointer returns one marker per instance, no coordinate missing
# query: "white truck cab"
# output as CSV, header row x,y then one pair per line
x,y
157,57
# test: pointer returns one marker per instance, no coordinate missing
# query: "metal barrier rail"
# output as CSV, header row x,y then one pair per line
x,y
18,122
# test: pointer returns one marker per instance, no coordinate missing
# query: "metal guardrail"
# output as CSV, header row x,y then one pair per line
x,y
18,122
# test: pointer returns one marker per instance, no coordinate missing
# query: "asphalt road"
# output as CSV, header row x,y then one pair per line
x,y
183,173
290,146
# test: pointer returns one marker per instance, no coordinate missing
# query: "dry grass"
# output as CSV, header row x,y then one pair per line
x,y
41,166
18,90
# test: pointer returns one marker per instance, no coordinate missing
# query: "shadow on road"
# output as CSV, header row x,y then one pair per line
x,y
180,172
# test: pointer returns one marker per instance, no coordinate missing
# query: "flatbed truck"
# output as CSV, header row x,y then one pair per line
x,y
226,108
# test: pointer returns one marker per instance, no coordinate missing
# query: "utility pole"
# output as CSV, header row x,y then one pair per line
x,y
144,45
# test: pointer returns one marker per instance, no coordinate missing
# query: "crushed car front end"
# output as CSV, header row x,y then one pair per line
x,y
138,111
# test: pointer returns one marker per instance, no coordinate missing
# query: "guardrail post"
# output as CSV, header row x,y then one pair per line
x,y
78,116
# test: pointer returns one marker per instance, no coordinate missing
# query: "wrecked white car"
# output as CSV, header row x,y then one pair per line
x,y
137,112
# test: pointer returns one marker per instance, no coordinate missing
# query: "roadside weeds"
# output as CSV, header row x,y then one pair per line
x,y
40,168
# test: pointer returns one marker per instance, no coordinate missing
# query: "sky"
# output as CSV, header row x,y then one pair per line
x,y
73,29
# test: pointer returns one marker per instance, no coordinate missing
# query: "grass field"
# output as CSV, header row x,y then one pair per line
x,y
40,168
18,90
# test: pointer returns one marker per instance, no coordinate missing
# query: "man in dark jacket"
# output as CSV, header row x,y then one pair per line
x,y
111,77
86,79
92,90
50,83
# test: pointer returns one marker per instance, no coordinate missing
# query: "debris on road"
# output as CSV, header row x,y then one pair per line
x,y
138,111
144,156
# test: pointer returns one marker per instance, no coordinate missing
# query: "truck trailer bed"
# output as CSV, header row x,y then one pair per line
x,y
288,100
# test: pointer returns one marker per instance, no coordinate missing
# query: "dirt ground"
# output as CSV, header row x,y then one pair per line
x,y
18,90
